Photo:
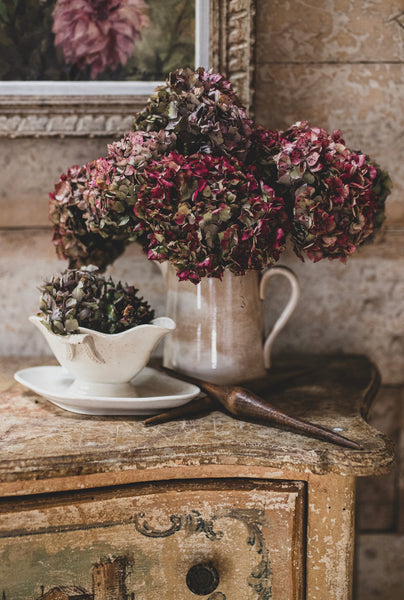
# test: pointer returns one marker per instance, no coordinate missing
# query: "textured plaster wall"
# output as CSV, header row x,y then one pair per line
x,y
338,64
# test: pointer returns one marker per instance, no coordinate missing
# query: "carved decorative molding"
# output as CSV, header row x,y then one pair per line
x,y
232,42
36,116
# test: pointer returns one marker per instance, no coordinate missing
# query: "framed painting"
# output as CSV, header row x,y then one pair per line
x,y
86,67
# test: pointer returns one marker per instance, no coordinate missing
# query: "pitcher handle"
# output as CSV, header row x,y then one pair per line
x,y
287,311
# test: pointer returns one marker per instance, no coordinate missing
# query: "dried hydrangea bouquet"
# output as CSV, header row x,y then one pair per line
x,y
207,192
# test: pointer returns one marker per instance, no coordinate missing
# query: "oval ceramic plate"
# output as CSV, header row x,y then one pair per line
x,y
153,392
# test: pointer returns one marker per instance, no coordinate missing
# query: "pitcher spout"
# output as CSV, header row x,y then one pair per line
x,y
164,268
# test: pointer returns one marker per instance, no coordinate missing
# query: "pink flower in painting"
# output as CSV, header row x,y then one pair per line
x,y
98,33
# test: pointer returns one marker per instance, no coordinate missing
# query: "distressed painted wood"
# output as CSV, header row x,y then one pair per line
x,y
40,443
269,512
330,537
252,533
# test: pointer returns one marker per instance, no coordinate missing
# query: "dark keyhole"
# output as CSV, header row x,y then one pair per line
x,y
202,579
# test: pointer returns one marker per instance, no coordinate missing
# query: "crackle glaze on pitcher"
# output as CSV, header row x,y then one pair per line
x,y
220,325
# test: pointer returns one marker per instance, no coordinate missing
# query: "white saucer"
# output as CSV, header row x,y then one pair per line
x,y
155,391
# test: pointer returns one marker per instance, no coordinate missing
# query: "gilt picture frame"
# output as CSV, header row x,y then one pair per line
x,y
224,41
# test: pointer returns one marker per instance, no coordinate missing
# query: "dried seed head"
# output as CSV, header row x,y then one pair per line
x,y
84,298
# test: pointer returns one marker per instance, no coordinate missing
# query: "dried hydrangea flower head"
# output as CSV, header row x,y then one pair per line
x,y
115,181
84,298
68,211
225,197
208,213
203,111
265,145
91,207
98,33
137,148
335,197
381,187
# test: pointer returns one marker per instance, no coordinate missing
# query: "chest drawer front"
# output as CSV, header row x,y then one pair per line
x,y
216,539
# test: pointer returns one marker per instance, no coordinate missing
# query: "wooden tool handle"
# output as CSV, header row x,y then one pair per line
x,y
195,406
243,403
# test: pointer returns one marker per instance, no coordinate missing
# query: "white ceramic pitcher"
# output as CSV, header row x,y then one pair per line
x,y
220,324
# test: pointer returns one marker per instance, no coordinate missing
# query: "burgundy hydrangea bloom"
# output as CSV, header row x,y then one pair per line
x,y
92,206
68,211
112,190
106,210
203,111
265,144
205,214
227,194
333,201
98,33
137,148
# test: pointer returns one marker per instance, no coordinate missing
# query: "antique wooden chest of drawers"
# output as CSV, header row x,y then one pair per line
x,y
104,508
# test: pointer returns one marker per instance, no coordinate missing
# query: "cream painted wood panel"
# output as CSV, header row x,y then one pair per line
x,y
143,540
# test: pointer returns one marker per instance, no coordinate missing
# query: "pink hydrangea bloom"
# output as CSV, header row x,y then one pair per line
x,y
208,213
329,189
203,111
98,33
69,213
